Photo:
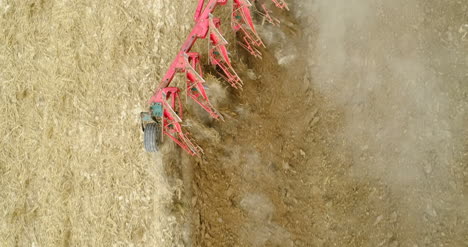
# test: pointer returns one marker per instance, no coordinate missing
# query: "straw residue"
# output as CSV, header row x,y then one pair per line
x,y
74,76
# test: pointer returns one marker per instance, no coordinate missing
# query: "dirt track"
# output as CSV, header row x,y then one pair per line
x,y
350,132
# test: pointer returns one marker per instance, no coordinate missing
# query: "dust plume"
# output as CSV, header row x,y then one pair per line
x,y
395,68
374,59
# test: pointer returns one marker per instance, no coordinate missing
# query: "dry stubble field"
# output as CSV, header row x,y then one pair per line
x,y
74,77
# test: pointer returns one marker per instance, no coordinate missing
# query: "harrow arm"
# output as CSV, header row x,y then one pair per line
x,y
219,54
242,22
195,88
199,31
241,7
172,108
199,9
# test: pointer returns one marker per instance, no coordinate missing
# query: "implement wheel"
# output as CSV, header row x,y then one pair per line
x,y
152,137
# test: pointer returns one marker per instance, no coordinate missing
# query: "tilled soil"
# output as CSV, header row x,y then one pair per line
x,y
349,132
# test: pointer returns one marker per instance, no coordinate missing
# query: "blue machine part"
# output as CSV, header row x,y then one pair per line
x,y
146,117
156,110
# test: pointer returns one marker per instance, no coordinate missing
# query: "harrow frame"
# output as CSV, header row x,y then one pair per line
x,y
166,108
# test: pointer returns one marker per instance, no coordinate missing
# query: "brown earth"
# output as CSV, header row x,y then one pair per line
x,y
352,134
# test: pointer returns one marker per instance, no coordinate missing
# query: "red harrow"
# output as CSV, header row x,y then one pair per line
x,y
165,112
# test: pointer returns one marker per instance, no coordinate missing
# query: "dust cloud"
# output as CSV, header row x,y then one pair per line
x,y
396,71
373,59
260,230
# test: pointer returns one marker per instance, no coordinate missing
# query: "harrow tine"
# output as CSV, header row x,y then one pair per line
x,y
228,73
242,6
195,149
248,46
195,146
178,136
214,24
281,4
195,88
242,21
168,107
219,55
171,121
266,16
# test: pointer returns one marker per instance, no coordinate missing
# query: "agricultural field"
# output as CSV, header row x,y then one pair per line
x,y
350,131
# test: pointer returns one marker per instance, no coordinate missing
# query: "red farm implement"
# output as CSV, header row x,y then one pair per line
x,y
165,112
